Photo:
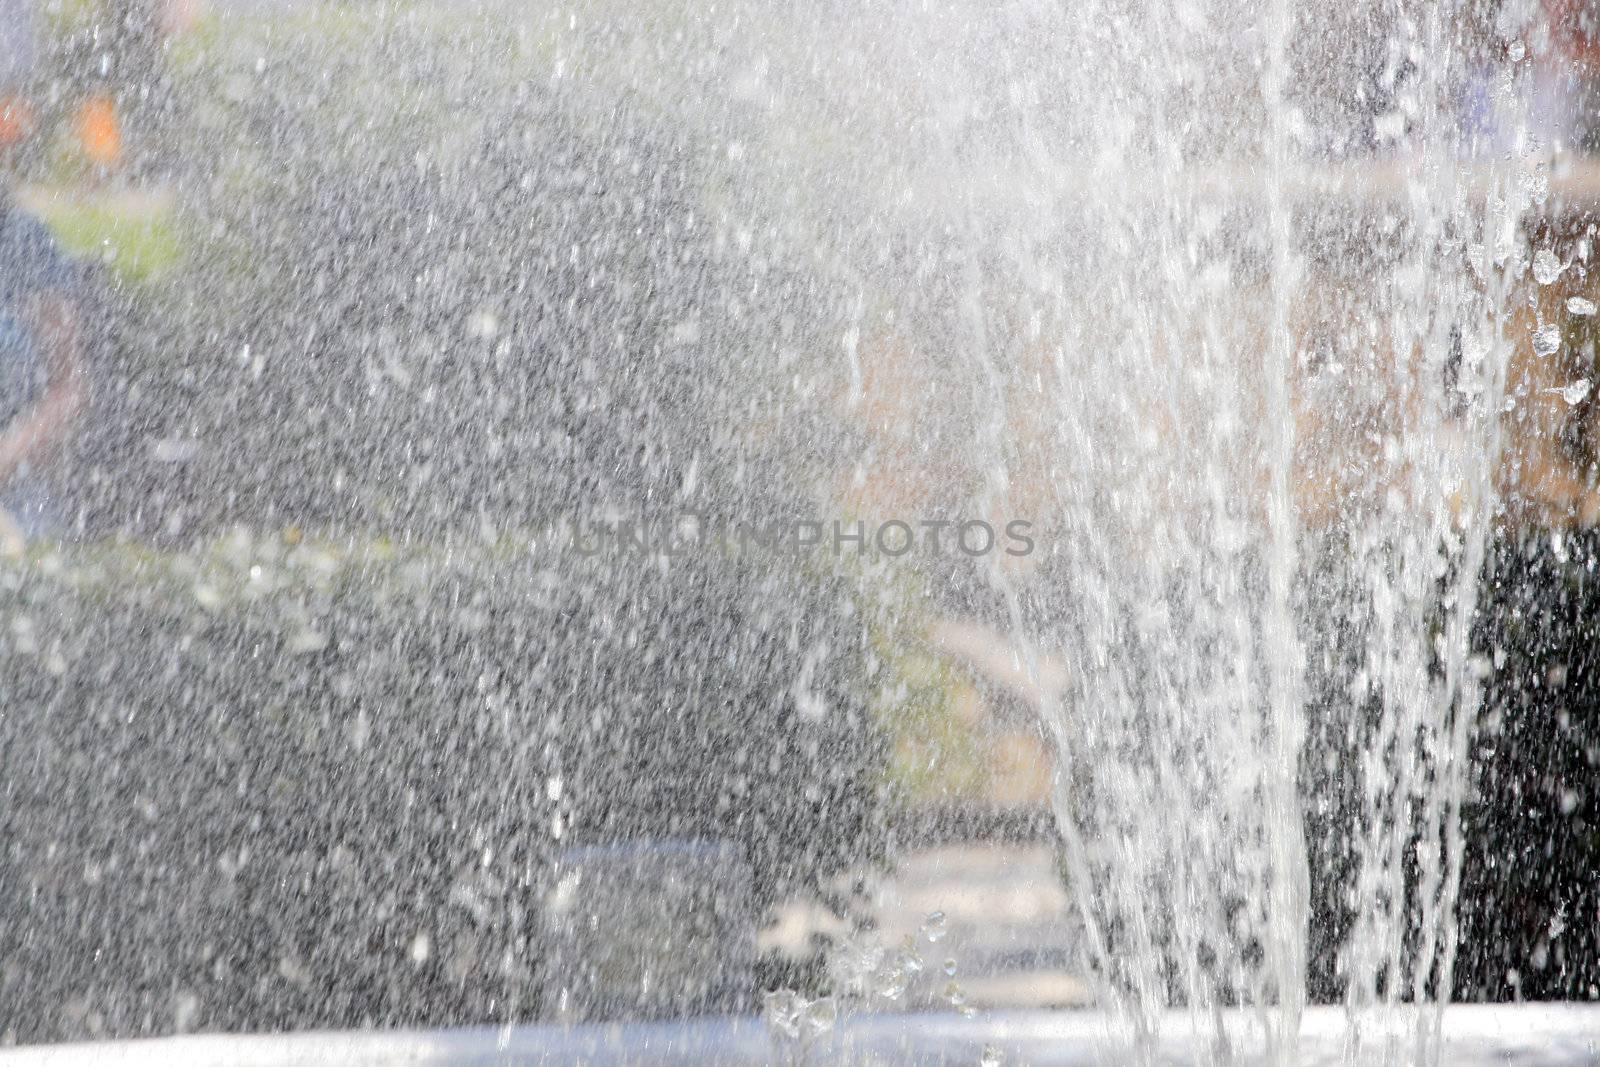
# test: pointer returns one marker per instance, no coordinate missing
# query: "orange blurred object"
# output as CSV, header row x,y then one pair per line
x,y
99,131
16,121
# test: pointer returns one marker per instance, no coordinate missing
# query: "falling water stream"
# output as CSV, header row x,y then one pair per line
x,y
1225,309
1215,447
1215,294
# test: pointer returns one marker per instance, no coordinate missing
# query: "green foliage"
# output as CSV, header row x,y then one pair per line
x,y
137,239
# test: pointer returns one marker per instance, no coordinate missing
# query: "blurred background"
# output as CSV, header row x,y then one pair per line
x,y
305,703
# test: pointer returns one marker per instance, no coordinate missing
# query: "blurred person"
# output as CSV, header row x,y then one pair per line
x,y
19,56
107,74
118,61
41,381
127,87
127,68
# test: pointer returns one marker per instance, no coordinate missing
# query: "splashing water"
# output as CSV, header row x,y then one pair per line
x,y
1232,321
1229,322
1272,426
1218,295
1274,435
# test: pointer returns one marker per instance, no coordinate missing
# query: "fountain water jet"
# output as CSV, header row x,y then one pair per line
x,y
1208,459
1209,292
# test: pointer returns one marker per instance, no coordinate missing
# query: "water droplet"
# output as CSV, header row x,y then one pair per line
x,y
781,1010
950,967
910,963
1547,340
1574,393
307,641
992,1057
483,324
293,971
1546,267
1577,305
892,983
185,1009
421,948
933,927
821,1015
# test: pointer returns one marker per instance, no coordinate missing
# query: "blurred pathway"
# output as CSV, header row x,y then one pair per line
x,y
1010,927
1010,924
